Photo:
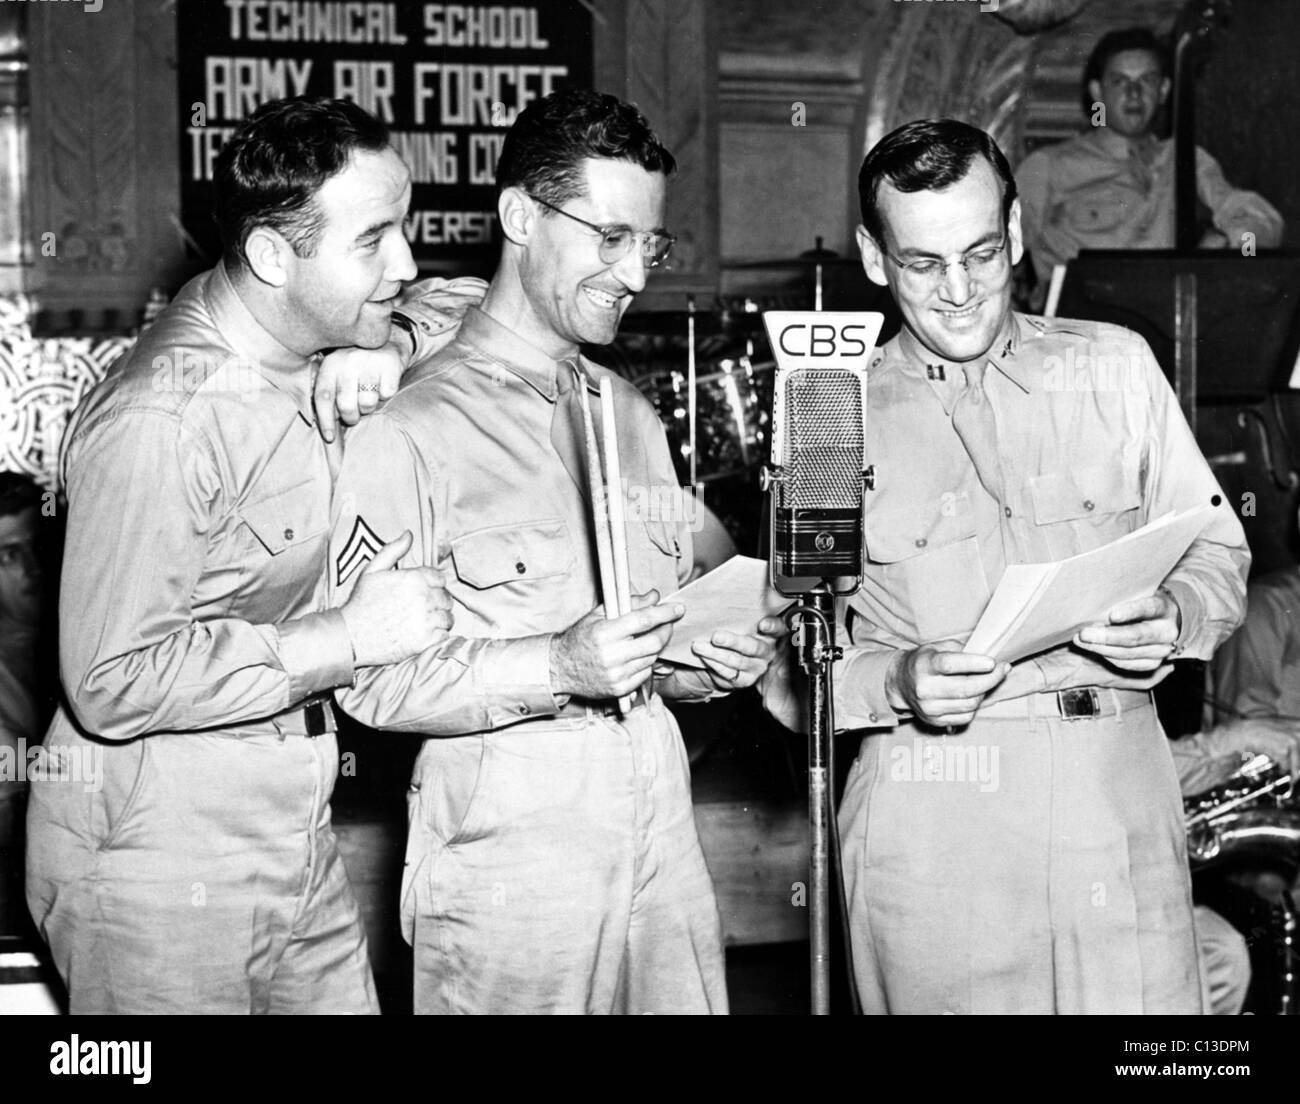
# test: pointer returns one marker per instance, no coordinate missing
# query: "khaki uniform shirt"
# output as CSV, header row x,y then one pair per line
x,y
194,588
463,457
1099,191
1091,446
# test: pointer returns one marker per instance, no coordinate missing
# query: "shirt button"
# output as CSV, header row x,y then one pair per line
x,y
1088,504
520,568
873,717
288,534
921,542
1007,510
521,709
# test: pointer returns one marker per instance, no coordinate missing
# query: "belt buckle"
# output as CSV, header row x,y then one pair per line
x,y
313,714
1079,703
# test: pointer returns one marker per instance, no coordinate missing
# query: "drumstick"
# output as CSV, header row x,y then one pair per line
x,y
692,385
617,517
604,547
614,480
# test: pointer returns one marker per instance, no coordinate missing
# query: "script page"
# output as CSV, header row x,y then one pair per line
x,y
1058,599
734,596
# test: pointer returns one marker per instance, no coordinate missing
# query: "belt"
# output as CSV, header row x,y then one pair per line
x,y
1080,703
587,707
312,718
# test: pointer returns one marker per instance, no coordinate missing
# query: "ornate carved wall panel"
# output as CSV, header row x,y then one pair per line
x,y
103,158
41,381
660,54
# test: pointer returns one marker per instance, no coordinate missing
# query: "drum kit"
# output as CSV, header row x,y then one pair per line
x,y
709,374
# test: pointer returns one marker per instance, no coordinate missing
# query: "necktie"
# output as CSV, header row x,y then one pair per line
x,y
568,425
570,440
972,419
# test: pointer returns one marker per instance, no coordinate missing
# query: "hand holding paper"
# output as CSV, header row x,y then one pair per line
x,y
722,607
1037,606
1140,635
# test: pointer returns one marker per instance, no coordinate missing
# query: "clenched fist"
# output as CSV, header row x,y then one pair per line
x,y
393,615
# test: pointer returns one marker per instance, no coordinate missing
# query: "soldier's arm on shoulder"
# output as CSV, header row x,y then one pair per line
x,y
430,311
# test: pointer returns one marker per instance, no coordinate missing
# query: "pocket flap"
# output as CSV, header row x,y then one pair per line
x,y
285,519
1089,491
899,534
513,553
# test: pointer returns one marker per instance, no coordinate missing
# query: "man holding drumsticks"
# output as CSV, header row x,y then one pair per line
x,y
553,863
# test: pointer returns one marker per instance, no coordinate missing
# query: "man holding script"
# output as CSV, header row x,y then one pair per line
x,y
1065,888
553,863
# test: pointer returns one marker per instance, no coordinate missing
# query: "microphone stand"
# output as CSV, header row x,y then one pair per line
x,y
815,641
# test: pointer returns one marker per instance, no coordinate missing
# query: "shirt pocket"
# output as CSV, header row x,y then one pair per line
x,y
1101,497
929,563
653,554
287,518
1099,214
516,553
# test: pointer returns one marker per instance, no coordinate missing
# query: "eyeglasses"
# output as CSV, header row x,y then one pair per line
x,y
930,272
616,242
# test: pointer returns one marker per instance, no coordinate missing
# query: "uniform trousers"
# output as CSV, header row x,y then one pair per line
x,y
554,867
1026,864
203,878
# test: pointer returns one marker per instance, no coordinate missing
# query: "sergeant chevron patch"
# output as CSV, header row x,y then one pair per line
x,y
361,548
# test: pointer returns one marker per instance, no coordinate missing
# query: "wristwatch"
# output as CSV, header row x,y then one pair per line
x,y
406,326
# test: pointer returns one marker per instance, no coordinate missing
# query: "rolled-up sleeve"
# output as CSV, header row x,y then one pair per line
x,y
1236,210
142,487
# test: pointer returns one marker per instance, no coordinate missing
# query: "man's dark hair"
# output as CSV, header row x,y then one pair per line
x,y
926,156
18,492
270,170
544,149
1117,42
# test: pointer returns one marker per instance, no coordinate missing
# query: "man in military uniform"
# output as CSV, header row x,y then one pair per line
x,y
553,863
1057,882
1112,187
197,644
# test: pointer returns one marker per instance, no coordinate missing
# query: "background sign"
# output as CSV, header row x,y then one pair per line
x,y
448,79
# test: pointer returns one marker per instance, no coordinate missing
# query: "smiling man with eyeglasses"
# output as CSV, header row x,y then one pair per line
x,y
1060,885
553,863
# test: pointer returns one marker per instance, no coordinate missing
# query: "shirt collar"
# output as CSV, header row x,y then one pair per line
x,y
945,377
285,370
1117,147
524,359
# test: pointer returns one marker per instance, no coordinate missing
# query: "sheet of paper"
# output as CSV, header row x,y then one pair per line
x,y
734,596
1037,606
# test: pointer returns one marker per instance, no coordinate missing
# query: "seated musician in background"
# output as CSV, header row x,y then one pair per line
x,y
23,712
1257,671
1112,187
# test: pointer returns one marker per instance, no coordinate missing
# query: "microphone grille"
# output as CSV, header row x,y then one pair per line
x,y
824,445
